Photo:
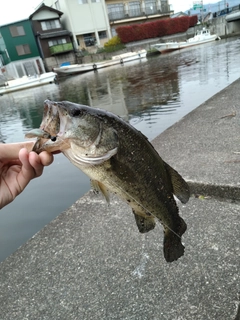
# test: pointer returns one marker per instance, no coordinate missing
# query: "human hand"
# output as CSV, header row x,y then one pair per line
x,y
19,165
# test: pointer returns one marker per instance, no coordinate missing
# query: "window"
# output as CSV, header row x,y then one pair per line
x,y
115,11
29,68
134,9
57,5
89,39
150,7
96,0
56,42
1,61
165,6
17,31
23,49
50,24
82,1
102,34
114,33
20,71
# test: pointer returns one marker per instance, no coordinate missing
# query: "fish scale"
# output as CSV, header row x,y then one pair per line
x,y
119,159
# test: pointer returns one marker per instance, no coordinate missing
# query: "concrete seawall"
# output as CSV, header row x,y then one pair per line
x,y
92,263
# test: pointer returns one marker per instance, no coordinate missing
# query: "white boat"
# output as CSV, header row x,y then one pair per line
x,y
201,36
27,82
119,59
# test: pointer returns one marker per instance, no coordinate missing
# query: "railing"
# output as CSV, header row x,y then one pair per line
x,y
226,11
59,48
138,12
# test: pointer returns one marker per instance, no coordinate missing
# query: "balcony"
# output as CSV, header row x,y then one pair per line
x,y
136,13
60,48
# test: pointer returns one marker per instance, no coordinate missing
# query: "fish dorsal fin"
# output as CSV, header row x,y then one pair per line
x,y
179,185
100,187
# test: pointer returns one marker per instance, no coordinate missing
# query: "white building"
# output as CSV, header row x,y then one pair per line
x,y
86,19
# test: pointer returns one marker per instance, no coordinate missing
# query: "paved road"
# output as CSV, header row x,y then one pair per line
x,y
91,262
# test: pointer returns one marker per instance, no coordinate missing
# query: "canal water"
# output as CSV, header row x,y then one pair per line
x,y
152,95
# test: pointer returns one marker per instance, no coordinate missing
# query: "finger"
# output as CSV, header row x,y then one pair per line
x,y
10,151
46,158
36,163
28,171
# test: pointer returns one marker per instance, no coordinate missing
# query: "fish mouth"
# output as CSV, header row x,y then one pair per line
x,y
52,128
51,120
56,131
75,130
57,113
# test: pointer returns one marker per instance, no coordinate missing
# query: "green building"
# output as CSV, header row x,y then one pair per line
x,y
21,55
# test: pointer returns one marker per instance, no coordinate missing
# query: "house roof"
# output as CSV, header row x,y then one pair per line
x,y
44,7
178,14
14,22
54,34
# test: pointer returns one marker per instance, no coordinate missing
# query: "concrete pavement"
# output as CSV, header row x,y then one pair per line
x,y
92,263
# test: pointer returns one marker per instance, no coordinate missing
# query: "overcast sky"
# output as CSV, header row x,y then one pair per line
x,y
14,10
183,5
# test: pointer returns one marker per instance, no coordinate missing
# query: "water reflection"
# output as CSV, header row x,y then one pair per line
x,y
143,90
22,111
96,90
151,94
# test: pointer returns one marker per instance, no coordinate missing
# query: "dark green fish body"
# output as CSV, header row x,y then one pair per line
x,y
120,159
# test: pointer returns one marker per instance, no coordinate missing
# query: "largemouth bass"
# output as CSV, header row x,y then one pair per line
x,y
119,159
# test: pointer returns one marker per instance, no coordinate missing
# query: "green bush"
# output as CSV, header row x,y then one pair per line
x,y
111,48
112,42
112,45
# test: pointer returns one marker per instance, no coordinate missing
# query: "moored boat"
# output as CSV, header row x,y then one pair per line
x,y
201,36
85,67
27,82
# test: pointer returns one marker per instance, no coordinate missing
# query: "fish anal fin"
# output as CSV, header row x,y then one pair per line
x,y
144,224
179,185
100,187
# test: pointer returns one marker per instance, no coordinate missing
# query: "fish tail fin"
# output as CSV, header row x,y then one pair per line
x,y
144,224
172,245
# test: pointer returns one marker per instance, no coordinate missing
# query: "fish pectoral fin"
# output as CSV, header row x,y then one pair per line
x,y
144,224
179,185
100,187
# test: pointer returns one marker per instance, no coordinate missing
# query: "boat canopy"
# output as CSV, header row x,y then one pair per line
x,y
204,31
